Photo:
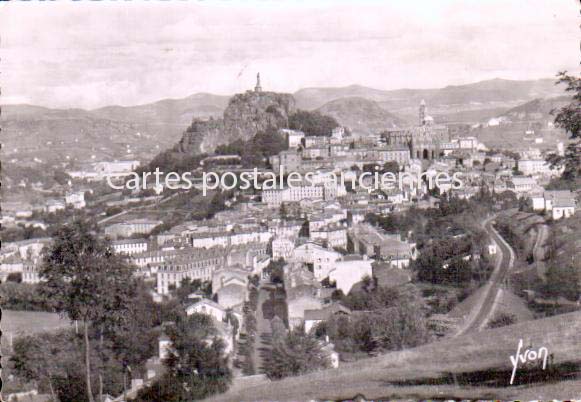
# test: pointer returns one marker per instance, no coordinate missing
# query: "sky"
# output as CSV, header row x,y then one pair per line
x,y
93,54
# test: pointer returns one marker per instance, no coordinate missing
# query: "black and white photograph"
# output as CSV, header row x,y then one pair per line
x,y
302,201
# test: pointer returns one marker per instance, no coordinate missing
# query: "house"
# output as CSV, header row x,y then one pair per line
x,y
209,307
115,168
322,259
333,235
11,265
521,184
314,317
232,294
132,227
538,201
230,285
285,228
300,300
349,271
316,152
534,166
164,346
289,160
563,208
30,274
30,249
302,291
367,240
76,199
275,197
229,275
282,248
313,141
294,138
53,206
559,204
188,263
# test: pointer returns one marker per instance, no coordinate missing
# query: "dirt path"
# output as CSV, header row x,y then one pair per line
x,y
263,329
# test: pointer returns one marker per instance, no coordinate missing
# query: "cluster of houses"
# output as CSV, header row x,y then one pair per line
x,y
317,230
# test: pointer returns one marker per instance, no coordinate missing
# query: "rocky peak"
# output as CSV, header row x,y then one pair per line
x,y
246,114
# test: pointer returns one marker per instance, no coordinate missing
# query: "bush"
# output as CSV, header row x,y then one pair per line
x,y
14,277
22,296
502,320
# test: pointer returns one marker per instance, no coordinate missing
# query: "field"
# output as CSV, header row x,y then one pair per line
x,y
30,322
462,367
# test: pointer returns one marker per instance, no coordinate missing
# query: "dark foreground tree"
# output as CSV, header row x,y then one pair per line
x,y
197,366
297,353
569,118
84,280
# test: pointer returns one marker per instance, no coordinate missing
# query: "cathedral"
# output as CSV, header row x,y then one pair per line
x,y
423,140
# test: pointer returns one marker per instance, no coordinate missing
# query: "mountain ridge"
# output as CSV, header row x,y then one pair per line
x,y
361,115
151,126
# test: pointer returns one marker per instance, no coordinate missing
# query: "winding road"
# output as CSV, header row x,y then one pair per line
x,y
486,306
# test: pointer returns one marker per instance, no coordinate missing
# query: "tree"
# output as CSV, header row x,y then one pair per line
x,y
562,281
569,118
197,365
391,166
85,280
54,361
312,123
298,353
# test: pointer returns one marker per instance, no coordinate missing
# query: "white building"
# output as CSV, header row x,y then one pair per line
x,y
534,166
294,137
53,206
349,271
559,204
333,235
276,197
207,307
322,259
521,184
30,274
76,199
129,228
282,247
130,246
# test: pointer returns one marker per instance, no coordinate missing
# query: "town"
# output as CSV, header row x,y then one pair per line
x,y
290,201
314,261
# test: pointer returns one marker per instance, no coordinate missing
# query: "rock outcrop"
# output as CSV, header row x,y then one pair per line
x,y
245,115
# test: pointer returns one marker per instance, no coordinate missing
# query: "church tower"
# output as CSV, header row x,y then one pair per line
x,y
258,88
422,112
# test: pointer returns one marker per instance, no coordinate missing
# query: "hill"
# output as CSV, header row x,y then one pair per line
x,y
176,111
424,372
537,109
361,115
112,132
489,92
77,135
139,132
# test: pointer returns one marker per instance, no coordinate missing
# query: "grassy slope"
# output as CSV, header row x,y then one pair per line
x,y
473,352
